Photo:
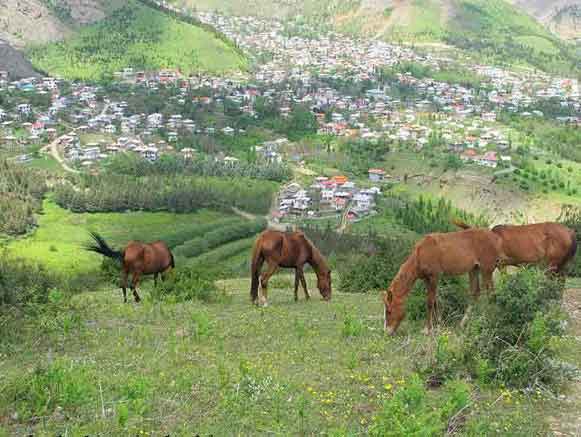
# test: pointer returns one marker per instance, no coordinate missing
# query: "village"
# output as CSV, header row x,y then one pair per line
x,y
81,125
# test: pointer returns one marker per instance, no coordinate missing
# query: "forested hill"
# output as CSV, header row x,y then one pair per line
x,y
141,37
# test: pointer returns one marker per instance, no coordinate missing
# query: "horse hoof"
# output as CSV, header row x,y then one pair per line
x,y
427,331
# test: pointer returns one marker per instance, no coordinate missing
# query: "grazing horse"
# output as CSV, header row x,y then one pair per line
x,y
551,244
473,251
287,250
136,259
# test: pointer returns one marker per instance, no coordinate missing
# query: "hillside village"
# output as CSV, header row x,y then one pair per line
x,y
85,126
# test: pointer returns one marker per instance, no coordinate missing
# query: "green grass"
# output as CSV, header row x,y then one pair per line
x,y
139,37
57,241
538,43
226,369
47,163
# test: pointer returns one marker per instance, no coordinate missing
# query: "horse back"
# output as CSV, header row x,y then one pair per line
x,y
288,249
536,242
147,258
458,252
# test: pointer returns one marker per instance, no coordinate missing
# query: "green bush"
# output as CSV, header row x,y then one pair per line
x,y
364,273
409,412
23,283
453,298
218,237
509,336
188,284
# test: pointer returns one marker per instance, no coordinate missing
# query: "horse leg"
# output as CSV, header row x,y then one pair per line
x,y
134,284
304,283
487,280
264,277
474,283
124,284
431,286
155,275
297,285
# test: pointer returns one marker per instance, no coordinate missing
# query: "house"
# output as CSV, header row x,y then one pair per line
x,y
24,109
489,159
376,174
187,153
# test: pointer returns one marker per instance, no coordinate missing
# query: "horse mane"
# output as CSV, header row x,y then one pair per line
x,y
406,275
318,258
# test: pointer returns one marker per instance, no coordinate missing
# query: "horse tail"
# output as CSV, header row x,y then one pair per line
x,y
462,225
102,248
257,261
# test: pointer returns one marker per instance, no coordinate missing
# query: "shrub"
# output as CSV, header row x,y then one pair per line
x,y
509,335
363,273
218,237
188,284
408,412
453,299
23,283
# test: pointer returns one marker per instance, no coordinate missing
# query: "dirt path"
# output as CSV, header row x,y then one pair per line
x,y
52,149
568,420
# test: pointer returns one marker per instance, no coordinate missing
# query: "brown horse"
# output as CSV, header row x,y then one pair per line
x,y
136,259
551,244
287,250
473,251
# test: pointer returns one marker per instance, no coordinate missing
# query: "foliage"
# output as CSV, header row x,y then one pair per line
x,y
187,284
450,74
51,386
23,283
562,139
135,165
408,412
158,193
510,336
139,37
218,237
21,193
570,216
425,215
195,230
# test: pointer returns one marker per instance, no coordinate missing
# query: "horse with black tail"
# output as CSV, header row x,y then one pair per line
x,y
288,250
137,259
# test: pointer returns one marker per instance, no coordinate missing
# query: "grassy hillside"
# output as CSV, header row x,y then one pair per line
x,y
139,37
57,242
104,367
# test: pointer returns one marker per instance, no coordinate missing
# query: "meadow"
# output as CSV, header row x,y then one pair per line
x,y
228,368
58,240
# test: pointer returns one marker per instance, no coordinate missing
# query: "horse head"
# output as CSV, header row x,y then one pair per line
x,y
394,310
324,284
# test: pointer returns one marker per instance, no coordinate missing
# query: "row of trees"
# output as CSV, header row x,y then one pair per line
x,y
426,215
164,193
21,193
134,165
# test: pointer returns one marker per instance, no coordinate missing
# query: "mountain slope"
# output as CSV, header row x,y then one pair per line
x,y
24,22
140,37
563,17
15,63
